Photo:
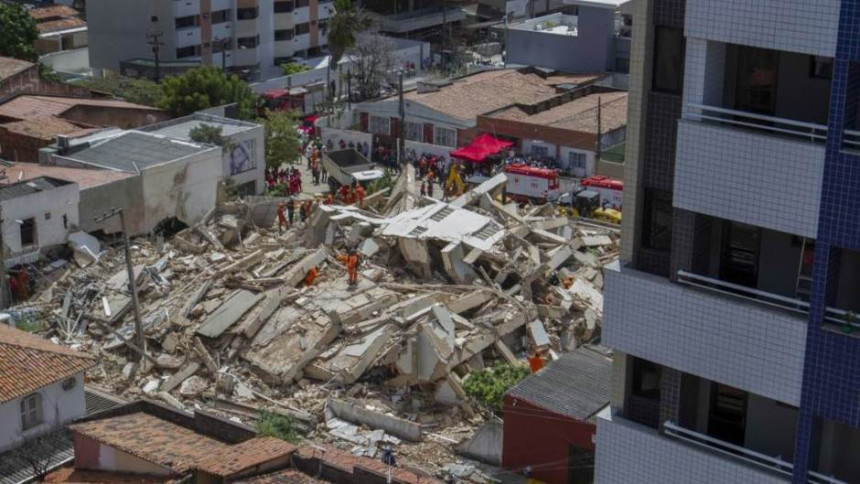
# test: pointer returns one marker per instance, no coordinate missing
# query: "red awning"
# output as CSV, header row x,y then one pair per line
x,y
481,147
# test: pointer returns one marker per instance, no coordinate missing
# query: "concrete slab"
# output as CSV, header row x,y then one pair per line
x,y
397,427
228,313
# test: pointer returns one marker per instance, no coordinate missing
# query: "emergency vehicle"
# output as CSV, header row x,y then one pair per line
x,y
528,182
611,190
292,99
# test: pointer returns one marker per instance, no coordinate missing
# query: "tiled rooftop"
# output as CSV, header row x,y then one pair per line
x,y
51,11
242,456
29,362
60,24
577,115
83,177
152,439
45,128
286,476
31,106
9,67
348,463
488,91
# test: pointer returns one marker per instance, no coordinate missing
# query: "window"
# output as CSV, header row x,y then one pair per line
x,y
47,215
303,28
657,223
820,67
184,22
285,34
380,125
246,13
576,160
219,46
646,379
65,221
445,137
283,7
669,49
189,51
153,18
248,42
622,65
539,151
414,131
31,411
28,232
323,27
220,16
302,3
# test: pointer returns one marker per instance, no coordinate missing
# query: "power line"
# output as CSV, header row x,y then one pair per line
x,y
156,43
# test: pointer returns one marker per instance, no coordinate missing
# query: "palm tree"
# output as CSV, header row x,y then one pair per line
x,y
347,21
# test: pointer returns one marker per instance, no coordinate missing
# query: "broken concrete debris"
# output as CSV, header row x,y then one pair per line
x,y
233,320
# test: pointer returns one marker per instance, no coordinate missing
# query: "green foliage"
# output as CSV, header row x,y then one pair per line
x,y
283,143
294,68
385,181
29,325
271,424
206,87
18,32
488,386
347,21
47,73
138,91
213,135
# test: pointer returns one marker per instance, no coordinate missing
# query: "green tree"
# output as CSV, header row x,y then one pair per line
x,y
213,135
206,87
488,386
270,424
293,68
348,20
18,33
138,91
283,144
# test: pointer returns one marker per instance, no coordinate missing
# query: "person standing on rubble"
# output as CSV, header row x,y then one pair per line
x,y
23,284
291,209
350,259
282,217
430,186
359,195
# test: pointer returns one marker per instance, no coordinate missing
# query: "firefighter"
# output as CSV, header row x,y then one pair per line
x,y
351,261
311,277
282,217
344,194
329,200
359,195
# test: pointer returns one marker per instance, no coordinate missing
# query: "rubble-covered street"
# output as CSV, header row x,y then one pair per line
x,y
238,317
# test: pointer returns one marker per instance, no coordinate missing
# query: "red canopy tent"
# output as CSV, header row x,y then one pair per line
x,y
480,148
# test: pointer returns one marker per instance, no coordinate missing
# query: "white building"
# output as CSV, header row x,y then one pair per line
x,y
250,37
244,162
41,386
37,214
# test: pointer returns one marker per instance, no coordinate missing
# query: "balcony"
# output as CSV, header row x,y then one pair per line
x,y
302,15
301,42
420,19
216,5
222,31
246,57
284,21
184,8
246,28
706,332
628,452
808,26
326,10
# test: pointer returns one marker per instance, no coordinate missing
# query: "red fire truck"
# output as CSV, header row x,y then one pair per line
x,y
292,99
611,190
528,182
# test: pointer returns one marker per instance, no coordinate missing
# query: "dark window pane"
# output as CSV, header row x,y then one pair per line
x,y
248,42
220,16
668,60
183,22
657,223
646,379
303,28
302,3
189,51
285,34
28,232
281,7
246,13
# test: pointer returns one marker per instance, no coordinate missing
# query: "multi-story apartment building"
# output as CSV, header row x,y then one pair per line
x,y
733,311
249,37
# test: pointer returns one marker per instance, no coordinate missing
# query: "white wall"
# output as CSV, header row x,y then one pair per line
x,y
335,135
76,60
249,152
58,407
589,161
57,202
185,188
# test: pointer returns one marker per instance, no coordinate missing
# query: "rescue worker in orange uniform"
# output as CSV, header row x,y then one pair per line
x,y
535,361
351,261
312,275
23,284
359,195
282,217
344,195
329,200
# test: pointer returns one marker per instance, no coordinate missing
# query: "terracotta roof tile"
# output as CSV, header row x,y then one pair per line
x,y
152,439
53,11
349,462
287,476
46,128
29,106
29,362
9,67
70,475
60,24
85,178
577,115
484,92
242,456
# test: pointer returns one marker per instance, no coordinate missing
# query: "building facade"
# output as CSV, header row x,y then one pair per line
x,y
732,313
249,37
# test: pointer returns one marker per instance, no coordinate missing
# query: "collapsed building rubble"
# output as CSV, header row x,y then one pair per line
x,y
445,288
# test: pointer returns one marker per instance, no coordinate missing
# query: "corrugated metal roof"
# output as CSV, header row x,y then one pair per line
x,y
29,187
134,150
577,385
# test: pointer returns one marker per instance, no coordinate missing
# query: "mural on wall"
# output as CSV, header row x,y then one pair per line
x,y
242,157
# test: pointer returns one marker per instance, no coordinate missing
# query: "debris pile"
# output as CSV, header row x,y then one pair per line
x,y
238,317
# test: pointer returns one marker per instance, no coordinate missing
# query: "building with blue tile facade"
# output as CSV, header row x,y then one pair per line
x,y
734,313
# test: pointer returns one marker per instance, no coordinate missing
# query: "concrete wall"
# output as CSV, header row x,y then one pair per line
x,y
93,455
47,208
77,60
126,194
125,118
185,189
58,407
246,162
590,51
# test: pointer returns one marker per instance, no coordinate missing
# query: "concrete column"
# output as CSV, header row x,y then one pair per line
x,y
670,395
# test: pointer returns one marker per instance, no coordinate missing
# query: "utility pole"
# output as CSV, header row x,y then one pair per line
x,y
156,43
132,283
348,87
444,21
401,149
598,128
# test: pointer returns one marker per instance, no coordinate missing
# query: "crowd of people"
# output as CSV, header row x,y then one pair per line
x,y
291,178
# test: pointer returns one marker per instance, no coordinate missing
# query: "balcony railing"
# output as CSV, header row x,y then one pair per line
x,y
833,315
851,140
814,133
775,464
